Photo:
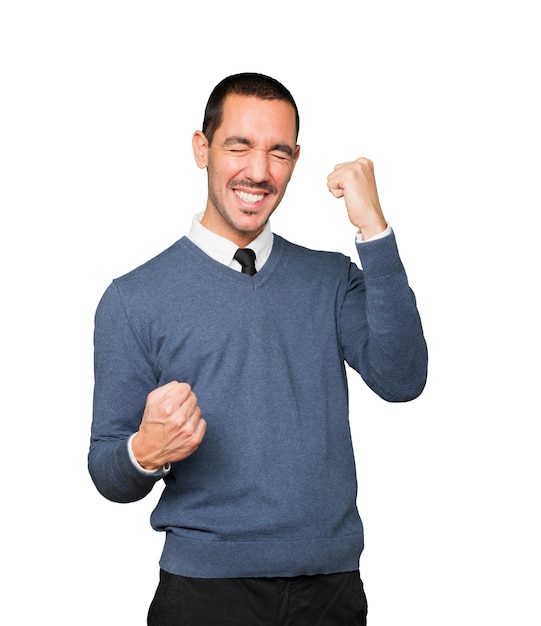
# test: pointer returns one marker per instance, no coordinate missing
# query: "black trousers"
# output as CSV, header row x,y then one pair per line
x,y
322,600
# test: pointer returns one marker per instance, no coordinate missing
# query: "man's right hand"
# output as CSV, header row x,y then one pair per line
x,y
171,428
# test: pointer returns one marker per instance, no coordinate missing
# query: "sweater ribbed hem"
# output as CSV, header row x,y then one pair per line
x,y
262,559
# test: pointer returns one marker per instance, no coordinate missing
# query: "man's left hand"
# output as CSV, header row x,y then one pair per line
x,y
355,182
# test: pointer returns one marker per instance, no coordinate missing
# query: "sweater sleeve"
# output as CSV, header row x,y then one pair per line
x,y
123,378
381,331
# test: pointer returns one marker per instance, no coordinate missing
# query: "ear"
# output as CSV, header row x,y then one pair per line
x,y
200,148
295,159
296,155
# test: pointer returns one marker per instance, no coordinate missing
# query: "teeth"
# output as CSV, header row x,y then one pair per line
x,y
249,197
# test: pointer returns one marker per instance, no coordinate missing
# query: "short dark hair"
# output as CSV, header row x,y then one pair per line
x,y
245,84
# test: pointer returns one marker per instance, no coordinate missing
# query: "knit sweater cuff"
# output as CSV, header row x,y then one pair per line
x,y
379,256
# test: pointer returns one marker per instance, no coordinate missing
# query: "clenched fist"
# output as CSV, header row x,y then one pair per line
x,y
355,182
171,428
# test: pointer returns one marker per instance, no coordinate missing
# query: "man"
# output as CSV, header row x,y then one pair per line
x,y
226,379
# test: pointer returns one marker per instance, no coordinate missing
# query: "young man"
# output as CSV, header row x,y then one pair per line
x,y
222,373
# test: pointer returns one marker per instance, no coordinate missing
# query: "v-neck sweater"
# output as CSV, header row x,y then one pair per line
x,y
271,491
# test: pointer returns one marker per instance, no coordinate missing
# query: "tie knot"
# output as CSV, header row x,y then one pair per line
x,y
246,257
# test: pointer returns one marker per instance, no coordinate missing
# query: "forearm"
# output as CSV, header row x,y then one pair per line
x,y
396,353
392,355
115,475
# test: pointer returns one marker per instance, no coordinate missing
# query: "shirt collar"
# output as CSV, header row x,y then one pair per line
x,y
222,249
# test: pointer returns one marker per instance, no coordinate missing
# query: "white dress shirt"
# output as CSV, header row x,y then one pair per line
x,y
222,250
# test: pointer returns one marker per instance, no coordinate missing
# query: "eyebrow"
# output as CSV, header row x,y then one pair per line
x,y
236,140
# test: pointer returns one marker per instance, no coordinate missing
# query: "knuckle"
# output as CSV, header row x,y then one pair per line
x,y
154,396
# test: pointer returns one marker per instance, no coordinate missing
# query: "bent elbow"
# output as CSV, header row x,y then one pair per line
x,y
401,386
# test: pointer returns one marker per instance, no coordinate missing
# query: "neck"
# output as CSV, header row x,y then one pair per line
x,y
240,238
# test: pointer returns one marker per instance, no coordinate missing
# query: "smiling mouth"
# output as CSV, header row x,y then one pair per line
x,y
249,197
249,191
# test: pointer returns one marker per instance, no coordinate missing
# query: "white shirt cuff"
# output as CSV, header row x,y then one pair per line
x,y
384,233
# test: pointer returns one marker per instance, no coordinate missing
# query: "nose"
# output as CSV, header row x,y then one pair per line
x,y
257,166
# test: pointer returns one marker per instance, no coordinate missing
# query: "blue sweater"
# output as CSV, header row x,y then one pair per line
x,y
271,491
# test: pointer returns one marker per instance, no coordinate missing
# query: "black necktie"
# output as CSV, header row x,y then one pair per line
x,y
246,257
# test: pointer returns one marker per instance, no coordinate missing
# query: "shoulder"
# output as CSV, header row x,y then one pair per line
x,y
160,271
151,280
319,260
165,261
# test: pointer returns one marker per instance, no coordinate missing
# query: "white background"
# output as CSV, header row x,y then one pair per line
x,y
99,102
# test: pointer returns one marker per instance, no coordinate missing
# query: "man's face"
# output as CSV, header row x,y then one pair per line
x,y
250,162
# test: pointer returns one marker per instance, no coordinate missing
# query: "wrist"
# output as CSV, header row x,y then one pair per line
x,y
143,460
373,229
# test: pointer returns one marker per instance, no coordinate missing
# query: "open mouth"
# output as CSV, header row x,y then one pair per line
x,y
252,198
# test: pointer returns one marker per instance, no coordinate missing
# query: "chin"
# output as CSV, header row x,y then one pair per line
x,y
250,223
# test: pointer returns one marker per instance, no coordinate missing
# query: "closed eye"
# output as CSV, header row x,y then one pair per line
x,y
282,151
280,156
